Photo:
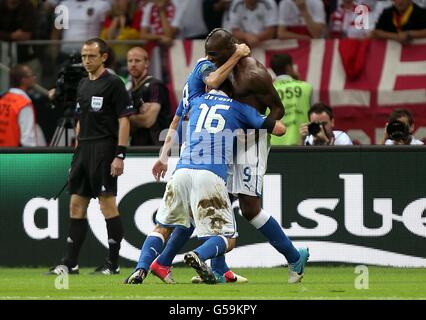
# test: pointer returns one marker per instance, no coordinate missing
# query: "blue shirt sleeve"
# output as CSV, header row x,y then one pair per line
x,y
205,69
179,109
250,117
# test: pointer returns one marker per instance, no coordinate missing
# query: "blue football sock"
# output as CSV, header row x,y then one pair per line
x,y
219,265
213,247
270,228
178,238
151,248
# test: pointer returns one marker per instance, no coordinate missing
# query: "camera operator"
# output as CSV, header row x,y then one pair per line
x,y
103,108
319,131
399,129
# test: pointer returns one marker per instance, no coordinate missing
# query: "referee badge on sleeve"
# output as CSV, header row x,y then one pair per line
x,y
96,103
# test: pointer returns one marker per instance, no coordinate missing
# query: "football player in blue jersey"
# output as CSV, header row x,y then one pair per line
x,y
205,73
197,189
252,84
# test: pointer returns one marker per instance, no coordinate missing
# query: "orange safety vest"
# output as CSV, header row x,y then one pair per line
x,y
11,105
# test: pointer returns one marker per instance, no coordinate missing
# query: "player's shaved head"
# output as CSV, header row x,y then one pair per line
x,y
219,46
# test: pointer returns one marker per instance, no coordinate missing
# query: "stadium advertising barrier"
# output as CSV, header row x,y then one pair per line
x,y
352,205
362,80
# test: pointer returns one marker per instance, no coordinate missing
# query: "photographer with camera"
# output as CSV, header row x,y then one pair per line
x,y
399,129
319,131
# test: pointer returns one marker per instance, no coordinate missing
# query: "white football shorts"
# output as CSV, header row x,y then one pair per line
x,y
246,174
201,195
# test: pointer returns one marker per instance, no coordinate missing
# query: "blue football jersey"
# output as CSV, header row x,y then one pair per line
x,y
195,86
213,123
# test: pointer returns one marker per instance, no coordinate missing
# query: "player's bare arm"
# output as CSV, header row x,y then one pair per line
x,y
216,78
160,167
258,84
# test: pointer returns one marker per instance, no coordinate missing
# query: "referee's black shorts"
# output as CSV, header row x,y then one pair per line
x,y
90,173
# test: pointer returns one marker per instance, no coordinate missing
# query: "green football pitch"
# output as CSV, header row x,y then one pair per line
x,y
320,282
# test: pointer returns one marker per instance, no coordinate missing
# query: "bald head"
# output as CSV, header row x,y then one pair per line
x,y
219,46
137,62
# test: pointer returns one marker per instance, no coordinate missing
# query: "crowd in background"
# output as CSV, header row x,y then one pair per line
x,y
158,22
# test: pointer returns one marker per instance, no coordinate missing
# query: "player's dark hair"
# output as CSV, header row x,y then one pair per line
x,y
227,87
279,63
321,107
399,113
103,47
218,37
16,74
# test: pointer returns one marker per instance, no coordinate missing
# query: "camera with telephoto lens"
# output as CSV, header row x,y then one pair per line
x,y
397,130
314,128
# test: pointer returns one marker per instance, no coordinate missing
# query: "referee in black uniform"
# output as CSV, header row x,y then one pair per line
x,y
103,109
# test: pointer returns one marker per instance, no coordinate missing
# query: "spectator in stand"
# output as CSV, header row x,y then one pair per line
x,y
138,14
253,21
190,19
17,116
159,23
399,129
85,21
402,22
329,7
301,19
118,26
216,14
320,130
18,22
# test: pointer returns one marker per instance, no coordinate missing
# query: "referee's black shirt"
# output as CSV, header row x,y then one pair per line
x,y
100,103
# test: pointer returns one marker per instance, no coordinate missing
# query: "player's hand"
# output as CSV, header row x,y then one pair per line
x,y
243,50
159,170
117,167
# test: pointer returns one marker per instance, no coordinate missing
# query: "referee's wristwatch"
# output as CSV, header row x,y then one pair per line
x,y
120,152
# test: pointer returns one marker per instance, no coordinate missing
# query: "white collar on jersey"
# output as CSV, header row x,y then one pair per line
x,y
218,92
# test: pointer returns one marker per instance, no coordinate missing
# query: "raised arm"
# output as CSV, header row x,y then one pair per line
x,y
215,78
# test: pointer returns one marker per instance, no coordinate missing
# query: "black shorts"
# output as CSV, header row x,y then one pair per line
x,y
90,173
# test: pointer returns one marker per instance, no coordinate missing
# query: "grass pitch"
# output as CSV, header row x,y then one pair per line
x,y
264,283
